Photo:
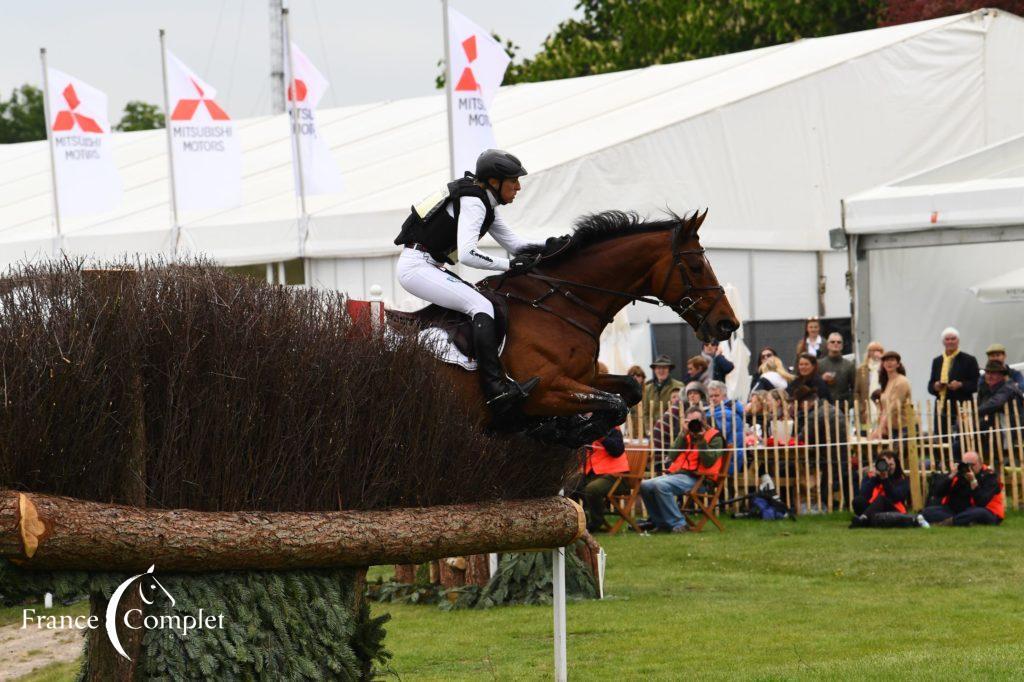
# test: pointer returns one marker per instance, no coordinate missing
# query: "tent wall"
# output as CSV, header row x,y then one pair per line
x,y
775,285
916,293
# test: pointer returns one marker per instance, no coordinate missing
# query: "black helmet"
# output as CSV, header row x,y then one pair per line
x,y
498,164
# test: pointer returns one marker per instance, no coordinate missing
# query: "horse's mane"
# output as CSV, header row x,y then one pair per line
x,y
598,227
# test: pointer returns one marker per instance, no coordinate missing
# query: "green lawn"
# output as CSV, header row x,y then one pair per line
x,y
764,601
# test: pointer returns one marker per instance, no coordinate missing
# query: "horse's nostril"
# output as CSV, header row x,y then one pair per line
x,y
728,326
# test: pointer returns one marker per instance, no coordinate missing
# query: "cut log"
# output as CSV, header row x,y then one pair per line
x,y
73,534
406,573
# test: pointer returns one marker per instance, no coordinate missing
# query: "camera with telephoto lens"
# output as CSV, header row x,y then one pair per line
x,y
962,468
881,466
695,426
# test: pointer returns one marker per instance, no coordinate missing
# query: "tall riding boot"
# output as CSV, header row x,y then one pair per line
x,y
500,392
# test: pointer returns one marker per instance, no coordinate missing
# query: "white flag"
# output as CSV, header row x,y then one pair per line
x,y
320,174
206,155
478,64
87,179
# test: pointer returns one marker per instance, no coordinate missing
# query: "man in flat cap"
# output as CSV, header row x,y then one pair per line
x,y
658,390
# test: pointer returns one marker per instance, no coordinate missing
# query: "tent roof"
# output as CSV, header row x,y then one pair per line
x,y
770,139
982,189
1005,288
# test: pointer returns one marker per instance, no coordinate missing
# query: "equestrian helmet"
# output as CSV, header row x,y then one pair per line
x,y
498,164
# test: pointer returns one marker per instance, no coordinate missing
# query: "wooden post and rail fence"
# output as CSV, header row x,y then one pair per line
x,y
817,454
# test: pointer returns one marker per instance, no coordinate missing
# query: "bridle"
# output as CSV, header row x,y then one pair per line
x,y
683,307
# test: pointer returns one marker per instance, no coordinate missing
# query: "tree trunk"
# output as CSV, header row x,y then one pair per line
x,y
60,533
406,573
478,570
451,572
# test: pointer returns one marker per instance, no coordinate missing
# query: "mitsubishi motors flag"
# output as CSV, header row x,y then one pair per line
x,y
87,179
320,173
205,153
477,67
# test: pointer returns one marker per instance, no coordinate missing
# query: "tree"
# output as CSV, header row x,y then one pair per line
x,y
21,116
140,116
905,11
614,35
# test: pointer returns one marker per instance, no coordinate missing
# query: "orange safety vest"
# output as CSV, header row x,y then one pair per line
x,y
599,462
996,505
879,490
689,460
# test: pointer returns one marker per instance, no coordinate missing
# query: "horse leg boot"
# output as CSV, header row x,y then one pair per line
x,y
500,392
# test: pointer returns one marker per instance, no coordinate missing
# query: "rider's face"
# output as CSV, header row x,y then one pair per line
x,y
507,189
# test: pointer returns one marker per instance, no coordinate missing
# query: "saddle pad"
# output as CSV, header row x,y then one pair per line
x,y
439,342
450,333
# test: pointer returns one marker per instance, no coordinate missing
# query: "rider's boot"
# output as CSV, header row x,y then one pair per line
x,y
500,392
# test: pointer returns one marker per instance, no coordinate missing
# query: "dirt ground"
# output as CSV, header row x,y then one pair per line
x,y
22,651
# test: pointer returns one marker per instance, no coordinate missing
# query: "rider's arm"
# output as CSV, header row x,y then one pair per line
x,y
509,240
471,218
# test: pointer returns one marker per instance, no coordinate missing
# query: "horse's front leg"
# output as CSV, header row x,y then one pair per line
x,y
564,396
622,384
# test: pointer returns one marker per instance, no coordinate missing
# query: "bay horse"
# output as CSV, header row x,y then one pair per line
x,y
557,311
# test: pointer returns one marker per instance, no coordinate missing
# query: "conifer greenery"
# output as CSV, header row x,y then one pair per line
x,y
280,625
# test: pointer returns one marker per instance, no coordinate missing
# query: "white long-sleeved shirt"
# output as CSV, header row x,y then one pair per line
x,y
471,218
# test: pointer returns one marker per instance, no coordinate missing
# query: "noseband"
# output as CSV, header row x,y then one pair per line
x,y
683,307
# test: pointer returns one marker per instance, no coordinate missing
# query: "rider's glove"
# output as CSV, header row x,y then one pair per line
x,y
520,265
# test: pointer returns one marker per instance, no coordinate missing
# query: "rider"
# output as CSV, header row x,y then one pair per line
x,y
453,227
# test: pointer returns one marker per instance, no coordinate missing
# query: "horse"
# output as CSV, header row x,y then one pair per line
x,y
557,310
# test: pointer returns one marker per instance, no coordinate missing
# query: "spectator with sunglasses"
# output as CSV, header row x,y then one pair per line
x,y
836,371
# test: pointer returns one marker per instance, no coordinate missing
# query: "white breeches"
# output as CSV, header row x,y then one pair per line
x,y
423,277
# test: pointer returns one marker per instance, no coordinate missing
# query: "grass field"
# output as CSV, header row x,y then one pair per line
x,y
762,601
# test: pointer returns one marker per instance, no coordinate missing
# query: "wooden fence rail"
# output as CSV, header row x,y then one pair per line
x,y
816,454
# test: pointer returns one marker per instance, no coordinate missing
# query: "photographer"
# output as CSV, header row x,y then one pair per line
x,y
885,489
701,448
971,494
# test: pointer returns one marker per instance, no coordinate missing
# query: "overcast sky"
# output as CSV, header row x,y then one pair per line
x,y
369,49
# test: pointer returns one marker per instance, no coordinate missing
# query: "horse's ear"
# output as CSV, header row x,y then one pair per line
x,y
698,219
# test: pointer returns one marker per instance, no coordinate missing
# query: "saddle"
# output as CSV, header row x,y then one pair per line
x,y
456,326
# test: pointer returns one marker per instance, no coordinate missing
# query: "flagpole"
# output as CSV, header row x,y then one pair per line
x,y
58,242
176,227
448,91
295,123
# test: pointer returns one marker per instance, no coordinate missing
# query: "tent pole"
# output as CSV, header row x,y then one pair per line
x,y
175,225
448,91
58,241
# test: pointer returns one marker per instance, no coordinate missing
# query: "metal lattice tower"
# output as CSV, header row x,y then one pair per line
x,y
276,58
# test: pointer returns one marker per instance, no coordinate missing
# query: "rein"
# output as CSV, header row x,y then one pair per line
x,y
682,307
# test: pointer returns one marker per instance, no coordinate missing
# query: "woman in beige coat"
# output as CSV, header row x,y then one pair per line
x,y
896,411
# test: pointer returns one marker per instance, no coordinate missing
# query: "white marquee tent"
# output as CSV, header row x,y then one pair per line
x,y
933,248
769,139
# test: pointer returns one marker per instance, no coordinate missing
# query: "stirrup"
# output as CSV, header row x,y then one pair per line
x,y
516,393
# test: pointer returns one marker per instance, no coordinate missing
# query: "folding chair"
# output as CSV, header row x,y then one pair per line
x,y
703,498
626,489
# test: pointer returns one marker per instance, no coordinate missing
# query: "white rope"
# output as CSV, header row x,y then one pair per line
x,y
856,444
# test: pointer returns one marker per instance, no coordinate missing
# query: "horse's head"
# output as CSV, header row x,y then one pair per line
x,y
684,280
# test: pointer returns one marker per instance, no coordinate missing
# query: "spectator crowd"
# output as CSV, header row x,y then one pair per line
x,y
817,397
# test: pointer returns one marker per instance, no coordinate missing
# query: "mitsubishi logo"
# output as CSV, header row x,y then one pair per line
x,y
297,87
185,109
467,81
67,119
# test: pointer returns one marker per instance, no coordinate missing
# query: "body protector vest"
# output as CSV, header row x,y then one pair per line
x,y
430,225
